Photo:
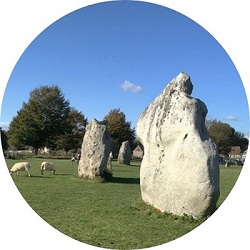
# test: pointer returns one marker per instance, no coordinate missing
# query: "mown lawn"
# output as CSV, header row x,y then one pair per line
x,y
105,214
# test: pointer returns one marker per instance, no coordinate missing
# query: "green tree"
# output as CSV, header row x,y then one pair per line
x,y
119,129
136,143
222,135
41,120
73,139
225,136
239,139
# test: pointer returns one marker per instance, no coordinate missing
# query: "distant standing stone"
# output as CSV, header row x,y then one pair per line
x,y
95,150
125,154
109,164
180,167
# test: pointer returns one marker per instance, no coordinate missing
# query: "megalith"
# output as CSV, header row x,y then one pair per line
x,y
95,150
125,154
109,164
180,168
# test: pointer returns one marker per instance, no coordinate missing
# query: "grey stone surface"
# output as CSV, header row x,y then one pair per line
x,y
125,154
109,164
95,150
180,167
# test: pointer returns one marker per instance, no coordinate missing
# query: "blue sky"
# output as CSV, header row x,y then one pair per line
x,y
122,55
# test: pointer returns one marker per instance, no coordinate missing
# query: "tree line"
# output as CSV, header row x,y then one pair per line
x,y
48,120
226,136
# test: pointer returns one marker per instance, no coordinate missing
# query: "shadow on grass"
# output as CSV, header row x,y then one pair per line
x,y
134,165
39,176
64,174
124,180
49,175
31,176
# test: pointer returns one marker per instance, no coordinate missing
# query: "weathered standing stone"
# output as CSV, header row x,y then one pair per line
x,y
125,154
109,164
180,167
95,150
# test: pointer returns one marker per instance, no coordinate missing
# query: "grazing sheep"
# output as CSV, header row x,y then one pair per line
x,y
73,160
20,166
47,166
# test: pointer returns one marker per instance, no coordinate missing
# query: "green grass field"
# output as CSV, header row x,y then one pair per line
x,y
104,214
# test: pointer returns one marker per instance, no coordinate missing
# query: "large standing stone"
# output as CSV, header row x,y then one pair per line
x,y
96,147
180,167
125,154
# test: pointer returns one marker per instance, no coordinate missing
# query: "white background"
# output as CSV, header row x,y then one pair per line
x,y
21,21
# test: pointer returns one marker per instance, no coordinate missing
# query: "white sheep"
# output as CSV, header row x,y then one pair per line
x,y
20,166
73,160
49,166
